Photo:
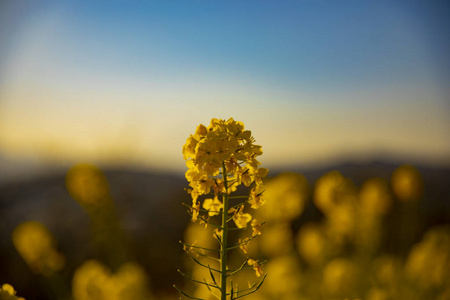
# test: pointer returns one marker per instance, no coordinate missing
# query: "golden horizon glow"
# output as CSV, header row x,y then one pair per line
x,y
67,97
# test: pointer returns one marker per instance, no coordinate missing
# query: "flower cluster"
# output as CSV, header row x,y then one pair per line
x,y
222,144
220,158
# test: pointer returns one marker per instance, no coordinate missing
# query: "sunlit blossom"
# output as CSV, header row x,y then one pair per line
x,y
7,292
256,266
213,206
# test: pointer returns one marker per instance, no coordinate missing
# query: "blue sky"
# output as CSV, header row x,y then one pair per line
x,y
128,81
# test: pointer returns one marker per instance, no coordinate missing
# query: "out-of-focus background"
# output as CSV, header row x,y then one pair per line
x,y
357,86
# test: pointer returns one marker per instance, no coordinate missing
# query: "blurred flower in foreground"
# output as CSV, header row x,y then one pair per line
x,y
87,185
277,240
428,263
285,277
7,292
333,190
375,197
375,201
407,183
286,196
387,271
312,243
37,247
94,281
340,278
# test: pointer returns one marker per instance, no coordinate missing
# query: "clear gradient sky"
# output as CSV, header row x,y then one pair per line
x,y
128,81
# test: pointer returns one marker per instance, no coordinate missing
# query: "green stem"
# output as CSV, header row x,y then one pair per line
x,y
224,240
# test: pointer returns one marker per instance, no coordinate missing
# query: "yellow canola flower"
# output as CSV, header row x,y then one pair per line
x,y
7,292
213,206
256,227
407,183
37,247
94,281
241,219
256,266
222,142
244,244
255,199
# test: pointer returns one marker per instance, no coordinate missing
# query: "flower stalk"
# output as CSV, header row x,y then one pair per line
x,y
219,158
224,240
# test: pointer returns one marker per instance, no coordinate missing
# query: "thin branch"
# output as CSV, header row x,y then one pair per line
x,y
211,291
190,297
218,238
207,256
238,269
209,222
201,264
200,209
242,243
239,204
212,276
251,292
198,281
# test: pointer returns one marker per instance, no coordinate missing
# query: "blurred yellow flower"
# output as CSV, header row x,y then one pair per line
x,y
387,271
331,190
285,278
285,196
94,281
375,197
277,239
377,294
340,278
341,222
428,261
37,247
87,185
312,243
7,292
407,183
